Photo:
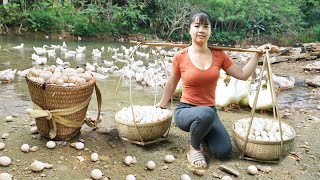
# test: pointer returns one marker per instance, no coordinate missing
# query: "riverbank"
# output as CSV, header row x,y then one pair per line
x,y
67,36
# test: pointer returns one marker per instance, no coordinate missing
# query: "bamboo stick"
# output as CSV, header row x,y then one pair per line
x,y
186,45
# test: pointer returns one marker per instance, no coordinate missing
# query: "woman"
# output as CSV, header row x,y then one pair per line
x,y
199,68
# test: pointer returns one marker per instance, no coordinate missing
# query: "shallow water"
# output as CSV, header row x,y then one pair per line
x,y
21,60
300,97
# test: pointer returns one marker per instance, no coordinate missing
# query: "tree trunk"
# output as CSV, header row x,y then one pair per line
x,y
1,29
8,31
229,26
215,25
19,30
235,26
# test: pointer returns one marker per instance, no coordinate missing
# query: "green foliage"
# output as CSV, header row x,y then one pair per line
x,y
311,11
310,35
316,31
91,12
225,37
233,20
10,14
93,29
43,5
44,21
168,19
129,18
83,28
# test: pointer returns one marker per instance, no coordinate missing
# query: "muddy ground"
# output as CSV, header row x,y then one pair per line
x,y
301,163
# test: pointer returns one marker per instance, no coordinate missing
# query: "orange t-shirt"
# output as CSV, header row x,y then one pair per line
x,y
199,86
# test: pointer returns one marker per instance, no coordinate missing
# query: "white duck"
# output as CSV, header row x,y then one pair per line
x,y
24,72
227,95
223,74
82,47
41,60
61,63
7,75
80,50
283,82
139,76
178,90
34,56
69,54
141,54
104,70
99,76
108,63
64,45
221,86
90,67
19,47
51,53
80,56
264,99
55,46
96,53
40,50
244,89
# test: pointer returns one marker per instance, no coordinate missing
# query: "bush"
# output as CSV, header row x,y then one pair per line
x,y
108,28
225,37
45,22
84,28
316,31
11,14
309,35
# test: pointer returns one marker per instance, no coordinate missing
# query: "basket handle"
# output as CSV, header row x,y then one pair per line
x,y
130,94
99,101
266,62
142,142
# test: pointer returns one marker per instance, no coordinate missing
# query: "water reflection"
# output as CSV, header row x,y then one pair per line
x,y
21,60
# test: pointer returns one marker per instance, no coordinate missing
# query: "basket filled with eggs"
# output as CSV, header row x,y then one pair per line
x,y
60,99
264,139
143,124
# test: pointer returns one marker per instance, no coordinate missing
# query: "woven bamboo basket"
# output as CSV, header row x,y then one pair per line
x,y
51,97
263,150
148,131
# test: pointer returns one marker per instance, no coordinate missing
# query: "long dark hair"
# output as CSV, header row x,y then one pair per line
x,y
204,17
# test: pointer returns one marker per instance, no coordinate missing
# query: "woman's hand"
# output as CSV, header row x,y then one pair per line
x,y
158,105
268,47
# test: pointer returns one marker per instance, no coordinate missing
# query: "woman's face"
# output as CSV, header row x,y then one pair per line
x,y
200,33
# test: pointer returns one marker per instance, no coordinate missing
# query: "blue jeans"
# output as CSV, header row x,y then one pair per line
x,y
204,124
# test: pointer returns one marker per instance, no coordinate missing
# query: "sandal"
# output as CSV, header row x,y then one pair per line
x,y
196,156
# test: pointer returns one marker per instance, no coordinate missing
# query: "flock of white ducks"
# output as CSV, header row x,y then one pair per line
x,y
243,93
147,68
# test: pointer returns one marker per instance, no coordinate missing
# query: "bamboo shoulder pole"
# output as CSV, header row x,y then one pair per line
x,y
186,45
